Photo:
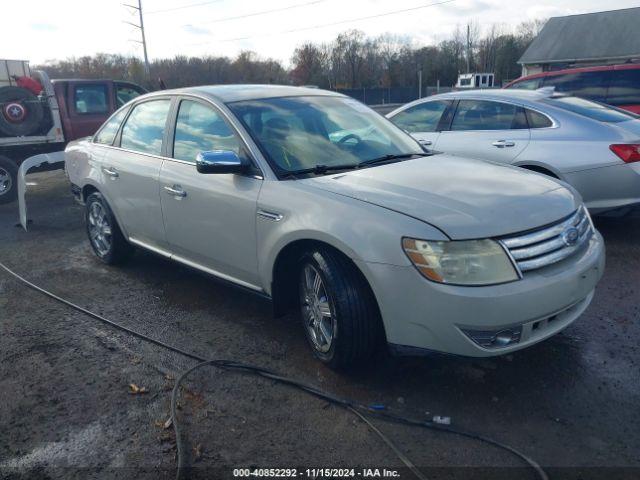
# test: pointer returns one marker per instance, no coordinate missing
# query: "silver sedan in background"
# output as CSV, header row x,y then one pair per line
x,y
593,147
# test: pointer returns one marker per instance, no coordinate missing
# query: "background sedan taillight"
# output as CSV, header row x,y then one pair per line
x,y
629,152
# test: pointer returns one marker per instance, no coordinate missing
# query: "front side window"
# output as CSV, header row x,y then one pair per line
x,y
487,115
421,118
90,99
593,110
107,134
200,128
531,84
144,129
592,85
297,133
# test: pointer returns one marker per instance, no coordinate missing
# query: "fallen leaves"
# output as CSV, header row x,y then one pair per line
x,y
136,390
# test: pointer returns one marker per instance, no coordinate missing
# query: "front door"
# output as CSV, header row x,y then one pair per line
x,y
486,130
209,219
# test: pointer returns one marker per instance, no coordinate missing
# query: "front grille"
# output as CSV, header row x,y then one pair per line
x,y
551,244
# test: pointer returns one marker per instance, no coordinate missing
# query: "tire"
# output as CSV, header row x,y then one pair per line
x,y
30,112
105,237
8,180
353,312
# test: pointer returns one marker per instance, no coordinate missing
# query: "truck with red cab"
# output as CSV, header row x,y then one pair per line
x,y
615,85
40,115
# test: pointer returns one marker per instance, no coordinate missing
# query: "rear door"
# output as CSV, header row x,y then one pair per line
x,y
487,130
423,120
131,169
209,219
624,89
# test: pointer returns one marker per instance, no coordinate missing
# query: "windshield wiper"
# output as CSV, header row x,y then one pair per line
x,y
391,156
321,169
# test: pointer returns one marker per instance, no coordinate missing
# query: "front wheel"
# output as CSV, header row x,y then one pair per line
x,y
105,236
339,313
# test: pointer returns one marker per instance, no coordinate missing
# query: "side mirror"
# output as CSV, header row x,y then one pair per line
x,y
220,161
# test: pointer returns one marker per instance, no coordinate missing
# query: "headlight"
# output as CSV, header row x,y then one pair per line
x,y
469,262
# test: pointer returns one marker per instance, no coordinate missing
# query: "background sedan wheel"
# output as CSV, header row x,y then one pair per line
x,y
103,231
339,312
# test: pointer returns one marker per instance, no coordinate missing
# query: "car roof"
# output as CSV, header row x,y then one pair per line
x,y
498,94
237,93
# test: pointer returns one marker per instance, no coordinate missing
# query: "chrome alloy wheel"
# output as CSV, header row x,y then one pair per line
x,y
99,229
6,182
317,314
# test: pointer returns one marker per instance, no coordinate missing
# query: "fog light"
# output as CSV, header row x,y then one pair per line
x,y
503,338
494,338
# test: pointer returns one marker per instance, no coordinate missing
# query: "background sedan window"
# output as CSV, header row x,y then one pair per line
x,y
200,129
144,128
487,115
421,118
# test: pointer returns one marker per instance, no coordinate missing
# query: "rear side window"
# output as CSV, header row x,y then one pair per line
x,y
91,99
107,133
421,118
532,84
624,88
537,120
144,129
591,85
487,115
199,129
593,110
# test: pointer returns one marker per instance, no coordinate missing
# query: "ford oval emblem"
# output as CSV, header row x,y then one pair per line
x,y
570,236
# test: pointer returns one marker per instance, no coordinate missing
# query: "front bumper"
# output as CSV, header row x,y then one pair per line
x,y
419,314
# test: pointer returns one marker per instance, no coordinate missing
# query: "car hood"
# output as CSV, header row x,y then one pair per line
x,y
462,197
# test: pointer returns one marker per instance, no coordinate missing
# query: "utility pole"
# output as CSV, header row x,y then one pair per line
x,y
144,39
468,48
420,83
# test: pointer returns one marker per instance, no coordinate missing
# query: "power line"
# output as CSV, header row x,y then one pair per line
x,y
342,22
191,5
264,12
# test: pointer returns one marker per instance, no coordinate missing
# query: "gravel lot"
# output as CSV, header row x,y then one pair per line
x,y
66,411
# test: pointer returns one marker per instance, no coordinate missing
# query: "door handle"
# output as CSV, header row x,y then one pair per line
x,y
503,143
112,172
426,143
175,191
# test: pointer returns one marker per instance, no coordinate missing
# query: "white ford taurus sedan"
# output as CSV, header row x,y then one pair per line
x,y
315,201
592,146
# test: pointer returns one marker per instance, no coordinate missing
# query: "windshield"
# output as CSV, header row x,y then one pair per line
x,y
301,133
591,109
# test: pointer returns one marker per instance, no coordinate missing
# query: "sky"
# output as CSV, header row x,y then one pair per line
x,y
45,30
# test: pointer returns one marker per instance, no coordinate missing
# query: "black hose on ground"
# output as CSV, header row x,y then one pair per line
x,y
355,407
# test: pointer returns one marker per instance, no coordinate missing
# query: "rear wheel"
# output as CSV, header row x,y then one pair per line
x,y
8,180
105,236
339,313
